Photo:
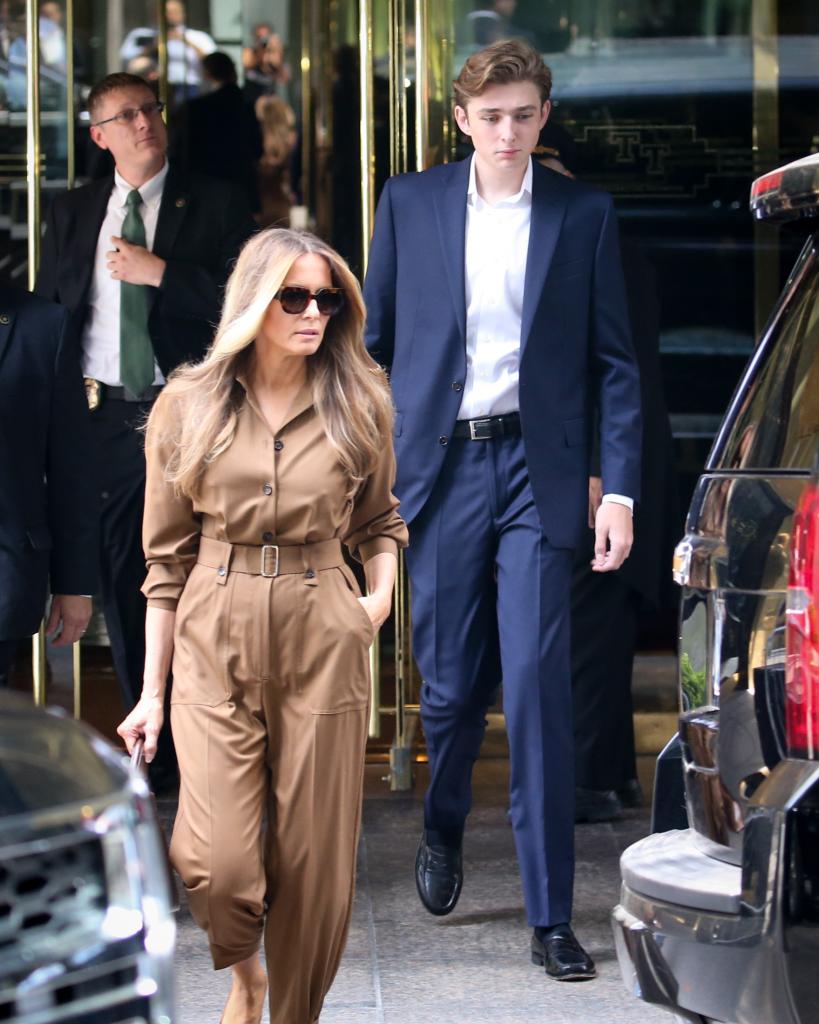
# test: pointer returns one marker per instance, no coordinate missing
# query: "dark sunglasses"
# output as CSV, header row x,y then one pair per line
x,y
295,300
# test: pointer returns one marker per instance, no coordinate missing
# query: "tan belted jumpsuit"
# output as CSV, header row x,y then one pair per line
x,y
270,688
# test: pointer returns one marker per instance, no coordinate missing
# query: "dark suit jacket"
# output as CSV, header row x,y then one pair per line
x,y
218,135
575,342
48,504
202,225
658,521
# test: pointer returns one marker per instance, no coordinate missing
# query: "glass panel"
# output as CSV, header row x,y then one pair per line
x,y
777,424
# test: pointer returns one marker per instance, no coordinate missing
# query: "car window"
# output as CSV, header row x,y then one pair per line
x,y
774,422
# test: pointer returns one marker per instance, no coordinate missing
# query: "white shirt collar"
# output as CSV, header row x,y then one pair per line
x,y
150,191
475,198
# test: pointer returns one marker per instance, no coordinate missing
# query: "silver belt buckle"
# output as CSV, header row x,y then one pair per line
x,y
263,571
475,426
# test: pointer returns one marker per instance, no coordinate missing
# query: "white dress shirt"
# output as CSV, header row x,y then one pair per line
x,y
496,247
100,340
497,241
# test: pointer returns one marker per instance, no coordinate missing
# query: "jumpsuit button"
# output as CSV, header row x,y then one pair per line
x,y
268,490
310,574
443,441
457,386
278,445
267,537
221,571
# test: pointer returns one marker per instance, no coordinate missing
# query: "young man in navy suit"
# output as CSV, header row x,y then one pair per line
x,y
495,298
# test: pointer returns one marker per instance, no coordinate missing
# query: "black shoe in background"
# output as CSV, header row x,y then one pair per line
x,y
595,805
438,876
558,951
631,794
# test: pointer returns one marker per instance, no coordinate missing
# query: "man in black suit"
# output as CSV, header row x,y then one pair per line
x,y
140,260
218,133
605,606
48,504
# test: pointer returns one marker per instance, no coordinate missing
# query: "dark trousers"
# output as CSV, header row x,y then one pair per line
x,y
490,600
8,648
122,562
604,624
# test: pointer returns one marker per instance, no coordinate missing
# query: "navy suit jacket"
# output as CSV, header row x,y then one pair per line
x,y
576,349
49,501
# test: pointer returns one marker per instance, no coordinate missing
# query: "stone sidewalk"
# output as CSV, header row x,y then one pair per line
x,y
403,966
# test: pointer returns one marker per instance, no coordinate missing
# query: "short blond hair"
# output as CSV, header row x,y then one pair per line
x,y
508,60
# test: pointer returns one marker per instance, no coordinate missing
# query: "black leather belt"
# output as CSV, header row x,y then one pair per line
x,y
487,427
96,392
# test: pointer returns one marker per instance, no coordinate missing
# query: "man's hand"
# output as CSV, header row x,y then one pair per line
x,y
613,536
595,498
68,618
134,264
144,721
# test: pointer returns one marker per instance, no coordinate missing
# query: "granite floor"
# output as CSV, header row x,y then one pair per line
x,y
403,966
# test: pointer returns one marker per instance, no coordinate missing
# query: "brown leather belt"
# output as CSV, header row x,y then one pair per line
x,y
269,560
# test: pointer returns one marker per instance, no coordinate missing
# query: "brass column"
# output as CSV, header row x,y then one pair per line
x,y
421,84
367,147
162,54
33,207
765,151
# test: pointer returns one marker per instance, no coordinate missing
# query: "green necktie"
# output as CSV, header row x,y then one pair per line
x,y
136,354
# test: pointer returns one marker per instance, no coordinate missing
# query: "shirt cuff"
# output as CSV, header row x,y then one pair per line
x,y
375,546
619,499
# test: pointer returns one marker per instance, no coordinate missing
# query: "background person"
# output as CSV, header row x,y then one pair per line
x,y
606,606
217,133
269,73
261,461
278,124
186,48
48,499
140,259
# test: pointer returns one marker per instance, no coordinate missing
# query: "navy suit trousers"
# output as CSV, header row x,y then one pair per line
x,y
490,601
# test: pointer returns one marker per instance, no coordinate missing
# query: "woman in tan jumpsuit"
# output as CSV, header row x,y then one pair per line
x,y
261,461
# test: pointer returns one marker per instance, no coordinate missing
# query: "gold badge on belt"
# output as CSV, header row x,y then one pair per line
x,y
93,392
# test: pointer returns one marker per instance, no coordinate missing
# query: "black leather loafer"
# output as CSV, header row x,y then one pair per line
x,y
595,805
562,955
438,876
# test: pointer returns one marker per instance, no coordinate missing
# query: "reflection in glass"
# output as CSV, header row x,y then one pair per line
x,y
778,422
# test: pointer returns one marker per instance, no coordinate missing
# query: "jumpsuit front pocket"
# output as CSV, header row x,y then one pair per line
x,y
335,669
200,635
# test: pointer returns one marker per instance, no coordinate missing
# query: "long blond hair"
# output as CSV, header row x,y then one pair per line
x,y
350,391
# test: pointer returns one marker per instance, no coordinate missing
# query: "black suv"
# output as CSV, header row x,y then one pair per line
x,y
720,921
86,925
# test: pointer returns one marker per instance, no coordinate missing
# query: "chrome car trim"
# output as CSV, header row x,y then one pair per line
x,y
668,866
723,966
787,192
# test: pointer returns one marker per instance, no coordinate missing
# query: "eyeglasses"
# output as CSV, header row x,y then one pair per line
x,y
130,114
295,299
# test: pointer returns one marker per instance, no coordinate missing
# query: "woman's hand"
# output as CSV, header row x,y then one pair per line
x,y
144,721
380,573
377,608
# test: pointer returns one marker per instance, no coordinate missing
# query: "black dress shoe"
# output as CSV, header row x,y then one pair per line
x,y
439,876
631,794
595,805
561,954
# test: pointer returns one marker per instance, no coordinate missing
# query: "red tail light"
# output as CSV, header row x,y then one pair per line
x,y
802,630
